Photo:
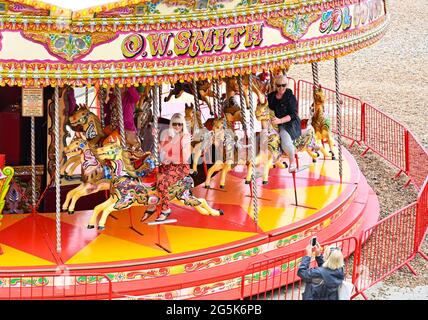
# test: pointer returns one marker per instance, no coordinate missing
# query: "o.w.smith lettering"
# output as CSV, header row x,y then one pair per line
x,y
192,42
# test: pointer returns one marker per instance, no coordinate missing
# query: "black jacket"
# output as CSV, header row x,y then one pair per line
x,y
287,106
321,283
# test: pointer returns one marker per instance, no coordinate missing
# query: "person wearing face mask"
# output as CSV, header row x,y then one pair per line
x,y
174,154
283,102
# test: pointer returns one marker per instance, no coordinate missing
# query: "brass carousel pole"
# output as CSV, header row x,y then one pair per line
x,y
197,107
217,103
315,73
338,117
103,95
253,151
156,124
33,166
86,95
160,99
243,116
118,94
242,105
57,176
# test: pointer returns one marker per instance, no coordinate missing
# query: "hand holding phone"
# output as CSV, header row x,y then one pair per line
x,y
314,241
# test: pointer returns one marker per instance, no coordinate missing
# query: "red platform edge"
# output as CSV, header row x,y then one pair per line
x,y
356,210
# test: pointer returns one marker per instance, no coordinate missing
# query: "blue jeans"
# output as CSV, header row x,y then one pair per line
x,y
287,143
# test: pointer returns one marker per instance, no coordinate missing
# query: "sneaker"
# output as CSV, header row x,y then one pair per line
x,y
292,167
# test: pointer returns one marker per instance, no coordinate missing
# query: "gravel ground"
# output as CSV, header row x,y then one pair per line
x,y
392,76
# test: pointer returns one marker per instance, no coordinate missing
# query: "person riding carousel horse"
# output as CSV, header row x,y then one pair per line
x,y
127,189
175,155
284,104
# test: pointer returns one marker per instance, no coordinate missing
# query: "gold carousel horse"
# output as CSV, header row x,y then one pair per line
x,y
84,120
85,123
230,151
189,116
204,90
271,153
93,175
321,124
201,136
143,115
127,190
232,88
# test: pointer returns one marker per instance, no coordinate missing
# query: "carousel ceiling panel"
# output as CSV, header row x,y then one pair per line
x,y
33,8
14,46
243,37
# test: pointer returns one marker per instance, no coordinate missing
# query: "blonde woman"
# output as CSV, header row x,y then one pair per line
x,y
175,155
322,283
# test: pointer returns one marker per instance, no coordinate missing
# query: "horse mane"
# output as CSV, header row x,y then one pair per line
x,y
318,121
114,137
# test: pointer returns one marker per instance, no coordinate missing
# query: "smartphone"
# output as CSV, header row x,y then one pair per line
x,y
314,241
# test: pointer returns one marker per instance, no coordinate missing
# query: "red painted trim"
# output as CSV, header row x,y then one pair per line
x,y
213,275
233,247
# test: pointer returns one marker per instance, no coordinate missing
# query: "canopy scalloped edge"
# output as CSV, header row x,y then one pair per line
x,y
62,20
128,74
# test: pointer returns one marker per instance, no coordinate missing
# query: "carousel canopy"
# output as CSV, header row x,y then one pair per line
x,y
147,41
76,5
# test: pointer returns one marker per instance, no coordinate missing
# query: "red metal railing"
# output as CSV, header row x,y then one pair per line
x,y
54,286
417,162
388,246
276,278
386,137
292,84
422,218
351,110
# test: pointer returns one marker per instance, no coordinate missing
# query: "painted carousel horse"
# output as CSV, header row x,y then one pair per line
x,y
189,117
203,140
127,191
271,155
203,87
230,151
321,124
6,175
201,136
71,163
96,175
232,88
83,120
232,110
143,115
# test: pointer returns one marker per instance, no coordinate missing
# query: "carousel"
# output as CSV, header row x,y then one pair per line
x,y
86,95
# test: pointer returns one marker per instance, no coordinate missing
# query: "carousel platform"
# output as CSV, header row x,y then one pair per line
x,y
198,257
